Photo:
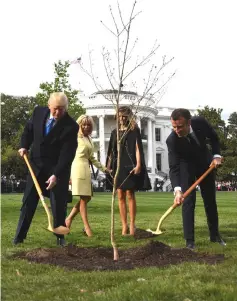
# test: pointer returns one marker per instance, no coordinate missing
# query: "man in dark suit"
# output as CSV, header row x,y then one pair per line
x,y
189,157
52,136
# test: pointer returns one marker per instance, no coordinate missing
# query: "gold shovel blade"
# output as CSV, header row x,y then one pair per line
x,y
157,232
61,230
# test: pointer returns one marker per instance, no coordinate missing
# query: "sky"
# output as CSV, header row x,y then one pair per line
x,y
199,34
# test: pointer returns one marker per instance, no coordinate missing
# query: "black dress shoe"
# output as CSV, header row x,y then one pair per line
x,y
61,242
218,239
17,241
190,244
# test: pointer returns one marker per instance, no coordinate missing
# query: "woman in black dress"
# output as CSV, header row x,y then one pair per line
x,y
132,174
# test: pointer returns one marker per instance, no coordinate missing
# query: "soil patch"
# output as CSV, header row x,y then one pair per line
x,y
153,254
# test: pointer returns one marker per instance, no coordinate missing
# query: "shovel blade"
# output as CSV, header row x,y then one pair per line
x,y
59,230
157,232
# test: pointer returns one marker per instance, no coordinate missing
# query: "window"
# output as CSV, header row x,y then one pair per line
x,y
158,130
143,136
158,161
98,155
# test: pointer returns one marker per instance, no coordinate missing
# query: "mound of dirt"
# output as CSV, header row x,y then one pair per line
x,y
153,254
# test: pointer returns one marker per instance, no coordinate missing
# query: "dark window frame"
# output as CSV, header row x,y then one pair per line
x,y
158,134
158,161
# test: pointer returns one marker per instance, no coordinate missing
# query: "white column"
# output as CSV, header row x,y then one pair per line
x,y
139,122
165,163
154,146
149,144
102,139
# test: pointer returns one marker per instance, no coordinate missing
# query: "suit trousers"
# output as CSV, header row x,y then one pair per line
x,y
208,192
58,202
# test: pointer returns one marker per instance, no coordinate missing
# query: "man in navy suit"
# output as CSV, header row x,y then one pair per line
x,y
189,157
51,136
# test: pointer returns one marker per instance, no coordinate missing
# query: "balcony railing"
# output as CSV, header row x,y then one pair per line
x,y
107,135
95,134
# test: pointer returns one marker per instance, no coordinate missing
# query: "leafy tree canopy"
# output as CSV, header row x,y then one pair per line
x,y
228,141
15,112
61,84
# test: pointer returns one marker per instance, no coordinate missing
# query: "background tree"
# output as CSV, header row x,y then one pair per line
x,y
228,141
61,84
229,172
15,112
213,115
12,163
232,127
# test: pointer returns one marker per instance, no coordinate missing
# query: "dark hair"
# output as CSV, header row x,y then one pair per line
x,y
177,113
127,111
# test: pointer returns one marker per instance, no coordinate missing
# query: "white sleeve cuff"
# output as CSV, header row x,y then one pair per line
x,y
216,156
177,188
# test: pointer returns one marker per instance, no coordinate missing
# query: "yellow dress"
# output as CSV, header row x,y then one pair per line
x,y
80,171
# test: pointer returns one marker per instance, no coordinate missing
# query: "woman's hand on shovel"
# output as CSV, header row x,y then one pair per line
x,y
136,170
178,200
52,181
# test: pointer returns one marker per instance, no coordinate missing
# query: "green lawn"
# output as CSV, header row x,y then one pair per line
x,y
22,280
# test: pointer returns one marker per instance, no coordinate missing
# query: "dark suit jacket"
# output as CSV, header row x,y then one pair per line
x,y
180,151
54,153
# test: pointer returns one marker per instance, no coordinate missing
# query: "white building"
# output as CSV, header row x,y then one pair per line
x,y
153,120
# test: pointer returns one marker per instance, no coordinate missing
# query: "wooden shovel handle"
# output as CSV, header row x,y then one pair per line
x,y
191,188
59,230
33,177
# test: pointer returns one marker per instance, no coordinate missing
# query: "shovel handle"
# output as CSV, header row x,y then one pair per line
x,y
187,192
33,177
50,226
59,230
191,188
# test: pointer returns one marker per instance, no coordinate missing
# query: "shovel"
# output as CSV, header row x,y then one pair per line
x,y
158,230
59,230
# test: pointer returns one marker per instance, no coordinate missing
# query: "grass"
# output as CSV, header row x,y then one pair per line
x,y
22,280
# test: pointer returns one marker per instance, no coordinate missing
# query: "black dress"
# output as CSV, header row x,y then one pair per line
x,y
127,161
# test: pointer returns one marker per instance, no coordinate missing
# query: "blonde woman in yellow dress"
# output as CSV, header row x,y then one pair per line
x,y
80,172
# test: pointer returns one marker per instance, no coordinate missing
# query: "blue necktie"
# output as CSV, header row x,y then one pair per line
x,y
49,125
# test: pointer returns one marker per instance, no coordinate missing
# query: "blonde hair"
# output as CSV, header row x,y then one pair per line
x,y
85,119
59,99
